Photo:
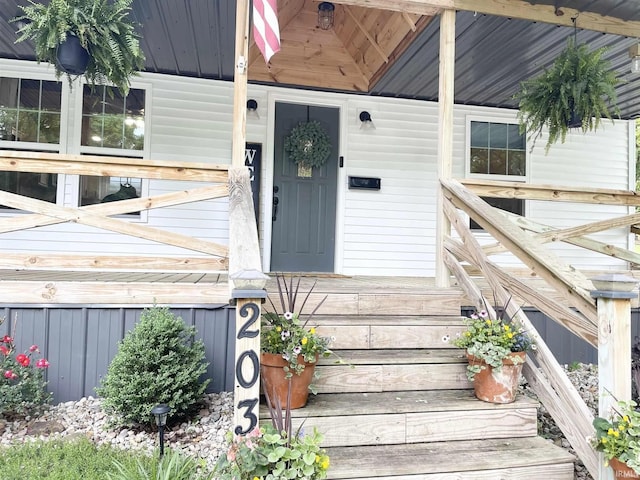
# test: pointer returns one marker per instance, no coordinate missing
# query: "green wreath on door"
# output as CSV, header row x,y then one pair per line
x,y
308,144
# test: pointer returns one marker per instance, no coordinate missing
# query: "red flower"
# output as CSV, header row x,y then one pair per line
x,y
42,363
23,360
33,348
10,375
4,350
7,339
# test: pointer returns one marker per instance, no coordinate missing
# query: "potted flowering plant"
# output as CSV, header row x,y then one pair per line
x,y
22,385
274,451
290,347
618,439
496,346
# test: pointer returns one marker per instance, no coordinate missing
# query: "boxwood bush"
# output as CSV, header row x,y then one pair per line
x,y
157,362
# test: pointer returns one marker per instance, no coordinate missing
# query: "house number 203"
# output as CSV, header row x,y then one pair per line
x,y
248,366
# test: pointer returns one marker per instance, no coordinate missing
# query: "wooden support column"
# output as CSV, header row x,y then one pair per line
x,y
240,83
445,134
246,279
614,345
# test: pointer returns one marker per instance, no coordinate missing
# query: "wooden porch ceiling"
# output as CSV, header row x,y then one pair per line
x,y
352,55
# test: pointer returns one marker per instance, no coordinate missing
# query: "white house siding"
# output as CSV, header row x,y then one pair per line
x,y
385,232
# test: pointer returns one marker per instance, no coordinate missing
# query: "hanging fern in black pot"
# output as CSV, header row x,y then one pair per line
x,y
578,91
99,32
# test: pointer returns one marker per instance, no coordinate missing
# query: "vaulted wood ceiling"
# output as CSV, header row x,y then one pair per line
x,y
352,55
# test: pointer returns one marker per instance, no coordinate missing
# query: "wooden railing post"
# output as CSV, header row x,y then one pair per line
x,y
613,297
247,283
247,296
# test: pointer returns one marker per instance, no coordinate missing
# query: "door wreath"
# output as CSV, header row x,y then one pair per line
x,y
308,144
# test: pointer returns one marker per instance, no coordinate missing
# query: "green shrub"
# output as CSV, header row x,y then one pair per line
x,y
173,466
23,390
157,362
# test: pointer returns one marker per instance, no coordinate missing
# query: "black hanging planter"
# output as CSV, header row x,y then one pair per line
x,y
71,57
575,120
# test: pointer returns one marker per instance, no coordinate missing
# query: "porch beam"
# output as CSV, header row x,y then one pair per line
x,y
519,9
445,135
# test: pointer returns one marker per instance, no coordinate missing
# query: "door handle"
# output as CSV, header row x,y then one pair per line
x,y
274,213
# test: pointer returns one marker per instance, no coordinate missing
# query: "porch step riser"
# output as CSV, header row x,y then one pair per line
x,y
390,336
391,378
439,302
390,429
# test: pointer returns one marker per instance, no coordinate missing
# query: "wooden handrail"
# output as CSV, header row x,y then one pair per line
x,y
551,385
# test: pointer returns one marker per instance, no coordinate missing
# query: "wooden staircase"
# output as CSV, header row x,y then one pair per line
x,y
403,409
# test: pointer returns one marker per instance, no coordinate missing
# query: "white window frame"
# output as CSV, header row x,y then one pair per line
x,y
76,141
60,147
510,120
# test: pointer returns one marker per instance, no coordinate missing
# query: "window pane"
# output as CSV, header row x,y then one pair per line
x,y
9,88
516,140
498,162
517,163
30,94
27,126
513,205
498,135
479,134
21,105
108,189
110,120
8,127
479,160
41,186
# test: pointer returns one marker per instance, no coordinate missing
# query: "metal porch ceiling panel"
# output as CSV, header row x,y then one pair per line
x,y
494,54
627,9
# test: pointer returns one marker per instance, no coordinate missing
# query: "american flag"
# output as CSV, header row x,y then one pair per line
x,y
266,31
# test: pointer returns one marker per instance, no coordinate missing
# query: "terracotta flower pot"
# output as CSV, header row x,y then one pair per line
x,y
274,379
622,470
498,386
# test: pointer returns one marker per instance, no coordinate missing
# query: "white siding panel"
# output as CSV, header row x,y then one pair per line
x,y
390,232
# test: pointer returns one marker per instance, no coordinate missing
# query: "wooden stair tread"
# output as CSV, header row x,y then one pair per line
x,y
426,460
342,404
397,357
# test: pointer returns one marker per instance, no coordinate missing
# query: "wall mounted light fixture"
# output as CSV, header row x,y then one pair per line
x,y
634,54
366,122
325,15
252,109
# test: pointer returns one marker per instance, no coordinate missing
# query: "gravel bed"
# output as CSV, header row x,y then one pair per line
x,y
204,437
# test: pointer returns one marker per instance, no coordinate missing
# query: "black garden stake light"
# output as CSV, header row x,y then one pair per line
x,y
161,412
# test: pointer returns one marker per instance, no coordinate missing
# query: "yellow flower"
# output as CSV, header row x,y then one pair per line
x,y
616,433
510,335
488,320
603,440
278,328
507,328
256,478
304,340
625,418
317,458
610,431
468,334
621,428
312,330
325,462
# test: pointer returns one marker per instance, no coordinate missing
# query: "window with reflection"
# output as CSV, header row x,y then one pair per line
x,y
498,149
111,122
30,115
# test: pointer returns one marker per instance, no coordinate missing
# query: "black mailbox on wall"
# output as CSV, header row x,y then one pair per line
x,y
365,183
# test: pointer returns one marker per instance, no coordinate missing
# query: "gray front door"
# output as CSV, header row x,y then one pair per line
x,y
304,209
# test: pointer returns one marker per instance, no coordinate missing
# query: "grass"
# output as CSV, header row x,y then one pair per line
x,y
64,460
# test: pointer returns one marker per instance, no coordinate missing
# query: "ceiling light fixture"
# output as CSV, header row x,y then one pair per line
x,y
325,15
